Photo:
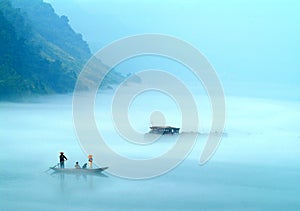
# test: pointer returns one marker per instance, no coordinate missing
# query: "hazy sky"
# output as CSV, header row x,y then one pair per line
x,y
246,41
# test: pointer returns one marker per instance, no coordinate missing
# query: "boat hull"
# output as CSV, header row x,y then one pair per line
x,y
78,171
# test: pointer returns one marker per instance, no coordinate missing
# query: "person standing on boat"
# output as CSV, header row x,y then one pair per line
x,y
90,161
62,159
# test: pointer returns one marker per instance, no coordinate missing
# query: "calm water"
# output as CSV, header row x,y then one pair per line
x,y
256,166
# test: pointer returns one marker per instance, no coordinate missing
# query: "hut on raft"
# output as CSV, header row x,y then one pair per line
x,y
164,130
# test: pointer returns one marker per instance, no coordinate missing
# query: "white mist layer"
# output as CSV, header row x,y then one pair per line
x,y
256,166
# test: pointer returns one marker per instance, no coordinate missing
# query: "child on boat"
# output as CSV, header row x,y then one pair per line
x,y
77,165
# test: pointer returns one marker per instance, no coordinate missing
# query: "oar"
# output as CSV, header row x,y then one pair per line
x,y
51,168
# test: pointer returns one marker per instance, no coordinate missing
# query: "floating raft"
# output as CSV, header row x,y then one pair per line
x,y
164,130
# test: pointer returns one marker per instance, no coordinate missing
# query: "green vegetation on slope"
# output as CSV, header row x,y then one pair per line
x,y
40,53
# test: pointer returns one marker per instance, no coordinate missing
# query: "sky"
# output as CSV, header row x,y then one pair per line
x,y
253,45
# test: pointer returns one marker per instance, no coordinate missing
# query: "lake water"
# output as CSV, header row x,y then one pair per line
x,y
256,166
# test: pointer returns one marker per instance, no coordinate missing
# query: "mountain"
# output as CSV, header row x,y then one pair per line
x,y
40,53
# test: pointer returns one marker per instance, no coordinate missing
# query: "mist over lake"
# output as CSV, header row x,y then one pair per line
x,y
255,166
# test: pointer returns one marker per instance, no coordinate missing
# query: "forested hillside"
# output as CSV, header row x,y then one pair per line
x,y
40,53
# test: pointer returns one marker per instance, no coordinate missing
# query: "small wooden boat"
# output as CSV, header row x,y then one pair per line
x,y
79,171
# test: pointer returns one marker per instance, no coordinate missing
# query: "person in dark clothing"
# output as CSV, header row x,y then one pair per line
x,y
62,159
84,166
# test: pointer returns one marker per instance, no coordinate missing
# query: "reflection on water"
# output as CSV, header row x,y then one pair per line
x,y
62,182
67,181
